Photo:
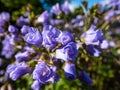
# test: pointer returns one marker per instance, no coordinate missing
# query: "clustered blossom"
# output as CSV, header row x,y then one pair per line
x,y
57,43
57,9
95,40
17,70
33,37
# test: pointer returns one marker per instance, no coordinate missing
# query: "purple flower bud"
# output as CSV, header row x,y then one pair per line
x,y
23,21
22,56
70,70
11,67
68,52
92,50
92,36
50,37
29,49
44,17
25,54
85,78
25,29
104,44
42,72
33,37
36,85
15,71
2,22
79,17
56,9
12,29
65,38
109,15
112,44
81,23
8,48
5,16
65,7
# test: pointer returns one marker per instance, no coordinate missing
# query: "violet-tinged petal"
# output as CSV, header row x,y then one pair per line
x,y
20,69
50,36
8,48
85,78
36,85
93,36
33,37
44,17
68,52
25,29
22,56
23,21
56,9
104,44
70,71
29,49
109,15
11,67
65,38
55,78
42,72
112,44
65,7
5,16
12,29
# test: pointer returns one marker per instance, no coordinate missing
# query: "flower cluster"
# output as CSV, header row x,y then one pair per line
x,y
41,50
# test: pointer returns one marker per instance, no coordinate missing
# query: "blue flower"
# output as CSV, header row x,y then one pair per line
x,y
5,16
50,35
70,70
104,44
65,38
12,29
44,17
22,56
25,54
93,36
15,71
65,7
56,9
8,48
43,73
85,78
23,21
33,37
68,52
